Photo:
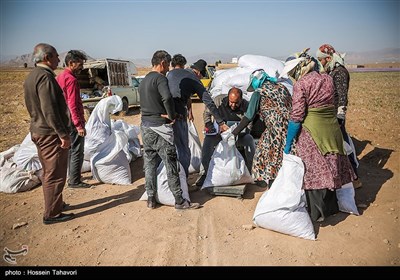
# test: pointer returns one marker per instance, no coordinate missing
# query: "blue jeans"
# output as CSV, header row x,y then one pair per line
x,y
245,141
75,158
181,139
156,149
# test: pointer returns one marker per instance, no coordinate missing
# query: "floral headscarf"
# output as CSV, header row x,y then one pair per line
x,y
327,50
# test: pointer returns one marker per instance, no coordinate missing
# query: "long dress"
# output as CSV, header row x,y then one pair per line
x,y
273,106
320,144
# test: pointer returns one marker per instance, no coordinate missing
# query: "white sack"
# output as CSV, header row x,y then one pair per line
x,y
14,180
227,166
26,157
98,127
110,164
345,197
195,148
283,207
132,131
164,194
271,66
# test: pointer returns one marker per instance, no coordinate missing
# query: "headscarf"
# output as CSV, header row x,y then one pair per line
x,y
299,64
328,51
257,78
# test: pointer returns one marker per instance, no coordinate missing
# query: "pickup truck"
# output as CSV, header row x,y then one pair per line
x,y
106,77
206,80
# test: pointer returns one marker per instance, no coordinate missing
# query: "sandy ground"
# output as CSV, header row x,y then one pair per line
x,y
113,228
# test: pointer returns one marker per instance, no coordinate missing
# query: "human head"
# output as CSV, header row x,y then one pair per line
x,y
161,60
235,96
328,57
200,67
178,61
299,64
74,60
46,54
257,78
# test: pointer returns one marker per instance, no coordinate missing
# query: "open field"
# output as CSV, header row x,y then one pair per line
x,y
113,228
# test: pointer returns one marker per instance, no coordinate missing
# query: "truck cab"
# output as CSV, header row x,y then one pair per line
x,y
106,77
207,79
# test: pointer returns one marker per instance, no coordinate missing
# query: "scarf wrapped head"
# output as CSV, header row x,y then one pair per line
x,y
327,50
298,65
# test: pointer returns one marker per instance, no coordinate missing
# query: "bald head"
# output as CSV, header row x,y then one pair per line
x,y
235,98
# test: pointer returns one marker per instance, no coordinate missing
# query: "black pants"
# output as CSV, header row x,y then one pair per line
x,y
346,138
75,158
321,203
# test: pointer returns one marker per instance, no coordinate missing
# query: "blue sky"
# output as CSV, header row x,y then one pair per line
x,y
135,29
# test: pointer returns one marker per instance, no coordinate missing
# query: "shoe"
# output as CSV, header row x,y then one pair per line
x,y
200,180
187,205
357,183
65,206
60,218
151,202
80,185
261,183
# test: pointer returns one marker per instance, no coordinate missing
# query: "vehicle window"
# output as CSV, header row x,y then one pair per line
x,y
135,82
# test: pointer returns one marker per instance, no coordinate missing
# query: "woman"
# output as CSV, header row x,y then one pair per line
x,y
320,142
272,102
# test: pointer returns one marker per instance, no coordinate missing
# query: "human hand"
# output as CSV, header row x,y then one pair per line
x,y
223,127
81,132
65,142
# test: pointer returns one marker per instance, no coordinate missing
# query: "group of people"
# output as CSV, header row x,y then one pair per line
x,y
57,125
310,123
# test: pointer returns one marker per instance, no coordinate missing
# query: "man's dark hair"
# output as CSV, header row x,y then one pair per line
x,y
74,56
178,59
159,56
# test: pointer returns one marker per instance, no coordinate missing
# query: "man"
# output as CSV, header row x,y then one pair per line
x,y
69,84
333,64
183,83
158,114
232,109
50,126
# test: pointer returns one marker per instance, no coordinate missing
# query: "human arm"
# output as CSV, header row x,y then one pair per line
x,y
207,100
190,110
166,97
74,102
293,130
53,105
251,112
341,79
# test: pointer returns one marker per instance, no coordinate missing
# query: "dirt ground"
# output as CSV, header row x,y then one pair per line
x,y
113,228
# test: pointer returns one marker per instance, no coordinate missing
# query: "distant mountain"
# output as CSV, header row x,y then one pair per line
x,y
376,56
28,59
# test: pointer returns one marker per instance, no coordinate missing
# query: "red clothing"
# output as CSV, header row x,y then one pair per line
x,y
69,84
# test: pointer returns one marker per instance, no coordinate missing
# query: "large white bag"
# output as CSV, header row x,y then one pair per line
x,y
132,131
26,157
195,148
345,197
164,194
98,127
14,180
227,166
110,163
283,207
271,66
